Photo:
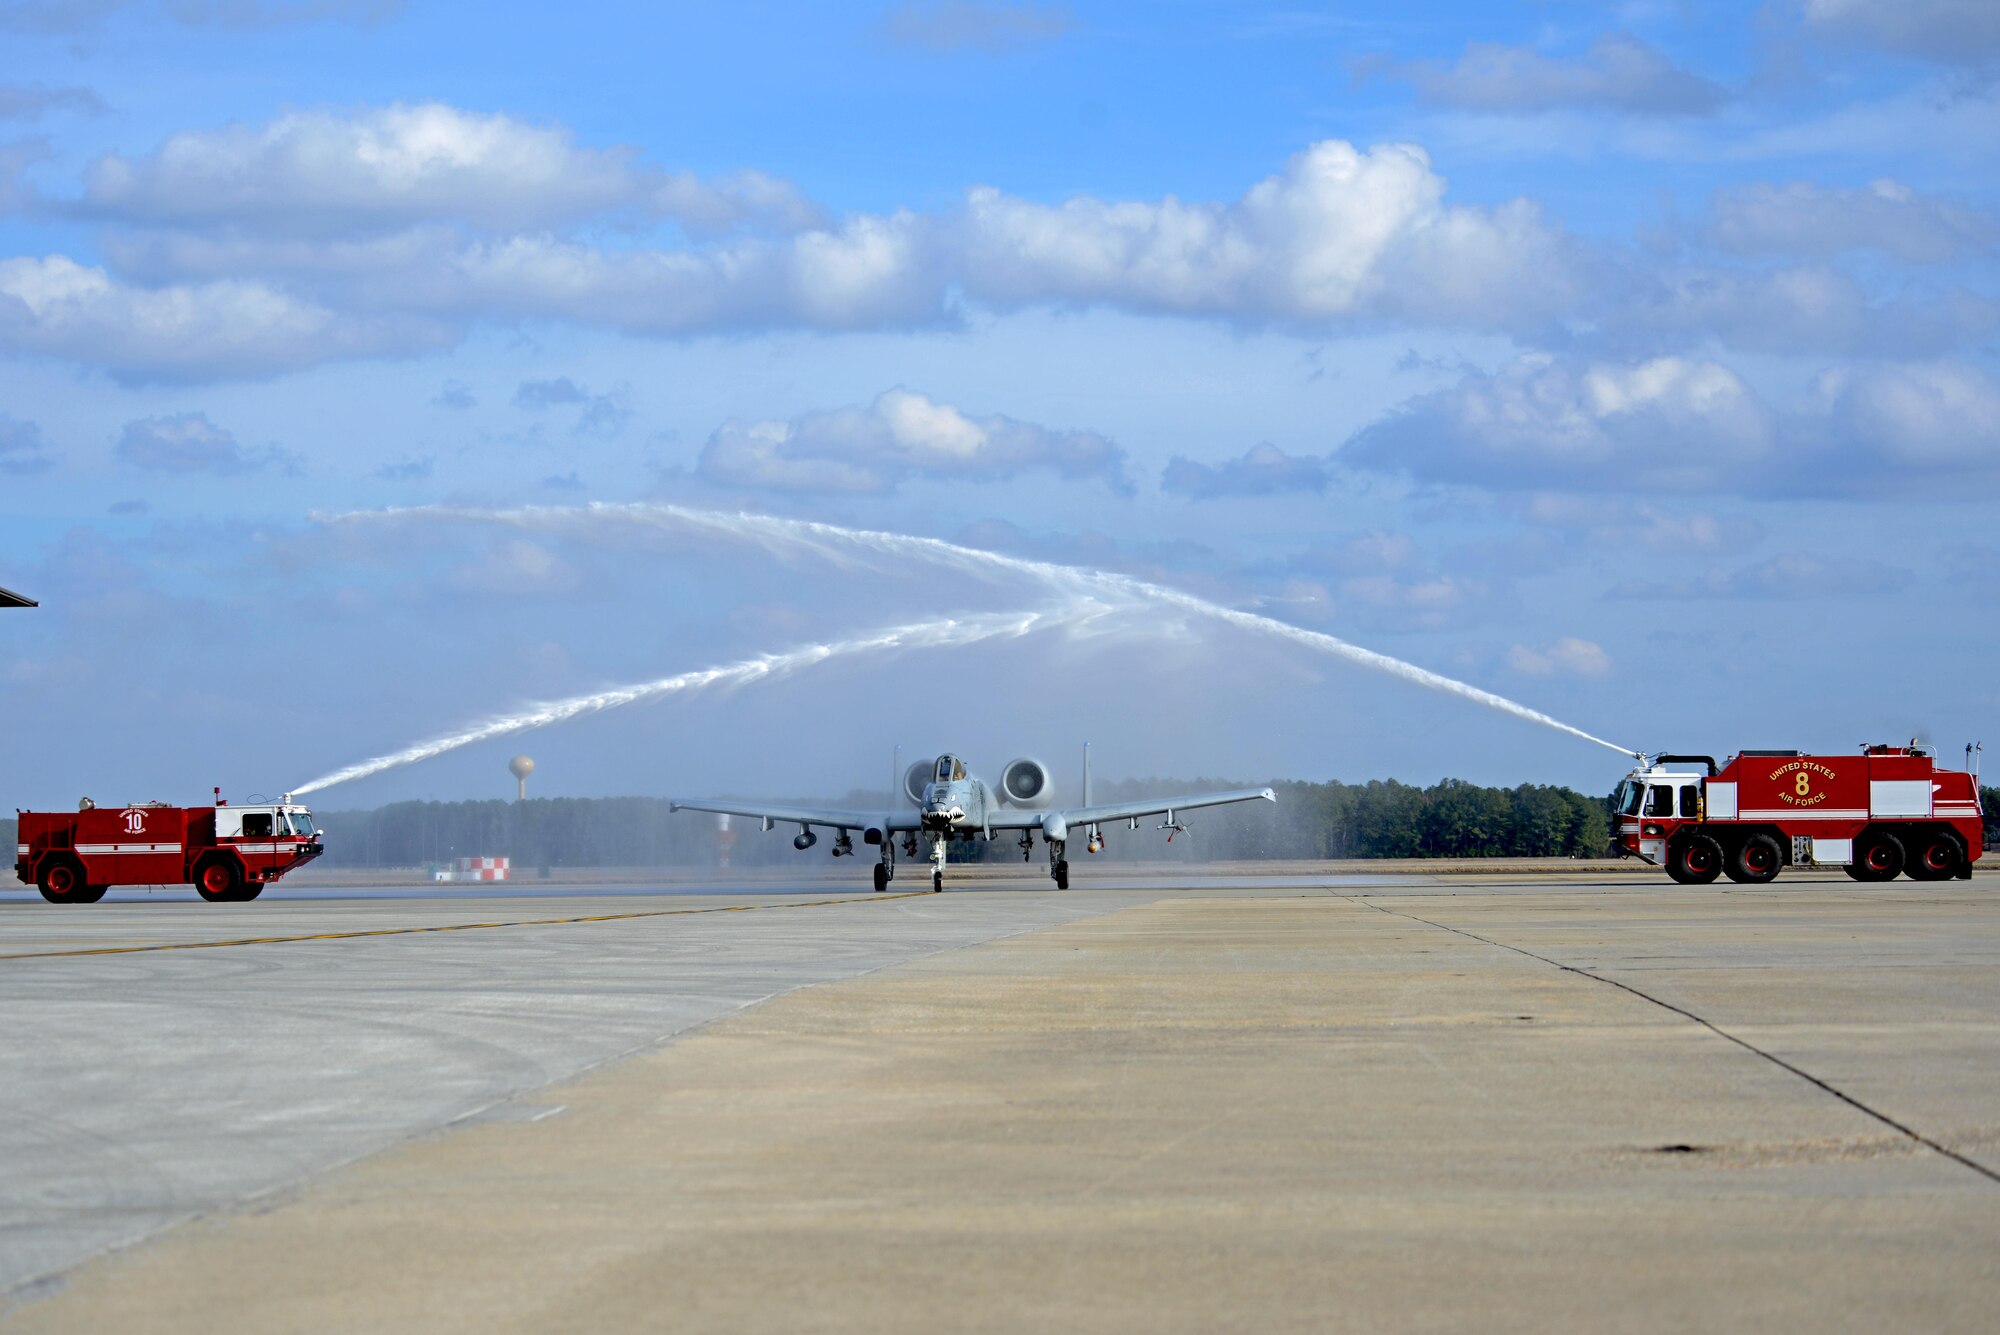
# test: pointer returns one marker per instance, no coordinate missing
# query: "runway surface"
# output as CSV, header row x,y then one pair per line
x,y
1305,1101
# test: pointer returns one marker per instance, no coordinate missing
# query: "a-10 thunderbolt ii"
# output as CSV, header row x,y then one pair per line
x,y
949,803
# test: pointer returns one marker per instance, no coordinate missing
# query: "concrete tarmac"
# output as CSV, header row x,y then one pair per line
x,y
1314,1103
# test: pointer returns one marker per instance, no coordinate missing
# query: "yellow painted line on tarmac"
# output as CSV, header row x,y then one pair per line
x,y
452,927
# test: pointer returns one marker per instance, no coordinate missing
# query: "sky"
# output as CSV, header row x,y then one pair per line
x,y
373,369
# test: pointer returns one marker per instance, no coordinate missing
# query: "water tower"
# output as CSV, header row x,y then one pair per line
x,y
521,767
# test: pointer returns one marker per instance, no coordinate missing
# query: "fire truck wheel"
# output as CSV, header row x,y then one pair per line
x,y
61,882
1696,860
250,890
218,881
1757,861
1937,857
91,894
1878,857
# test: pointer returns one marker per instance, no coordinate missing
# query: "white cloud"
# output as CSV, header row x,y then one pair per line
x,y
28,102
516,566
324,173
190,443
1618,73
1803,219
1788,311
1261,470
1675,425
1947,31
1669,423
900,435
1941,417
872,271
1641,524
55,307
1338,234
21,447
1569,657
319,172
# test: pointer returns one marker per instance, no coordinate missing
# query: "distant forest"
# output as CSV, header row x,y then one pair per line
x,y
1379,819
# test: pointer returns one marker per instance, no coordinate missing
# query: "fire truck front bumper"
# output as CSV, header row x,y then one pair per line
x,y
301,856
1646,847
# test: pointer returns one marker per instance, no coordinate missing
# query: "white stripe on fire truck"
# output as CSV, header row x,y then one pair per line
x,y
1803,815
22,851
127,848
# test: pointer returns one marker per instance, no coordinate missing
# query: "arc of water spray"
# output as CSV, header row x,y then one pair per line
x,y
950,632
811,536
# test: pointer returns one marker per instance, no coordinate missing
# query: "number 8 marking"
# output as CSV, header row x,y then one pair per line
x,y
1803,784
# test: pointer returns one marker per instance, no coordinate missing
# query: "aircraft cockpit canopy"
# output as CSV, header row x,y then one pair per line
x,y
950,769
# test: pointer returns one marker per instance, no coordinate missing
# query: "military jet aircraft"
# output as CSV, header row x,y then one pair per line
x,y
948,803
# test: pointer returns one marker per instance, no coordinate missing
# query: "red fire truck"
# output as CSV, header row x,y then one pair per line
x,y
1887,811
229,854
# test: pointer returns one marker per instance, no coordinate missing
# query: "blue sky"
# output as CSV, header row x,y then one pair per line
x,y
1635,362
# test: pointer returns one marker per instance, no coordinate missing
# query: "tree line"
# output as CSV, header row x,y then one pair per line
x,y
1379,819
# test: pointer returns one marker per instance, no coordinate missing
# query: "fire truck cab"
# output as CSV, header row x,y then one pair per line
x,y
1889,811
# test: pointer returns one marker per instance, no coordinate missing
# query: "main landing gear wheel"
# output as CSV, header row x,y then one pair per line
x,y
881,877
61,882
1062,875
1935,857
218,882
1696,860
1878,857
1757,862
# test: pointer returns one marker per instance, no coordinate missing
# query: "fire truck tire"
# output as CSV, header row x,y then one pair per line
x,y
1757,861
1936,855
219,880
250,890
61,882
1877,857
91,894
1695,860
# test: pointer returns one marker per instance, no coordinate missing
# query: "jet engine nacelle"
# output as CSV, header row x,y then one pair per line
x,y
1026,783
917,778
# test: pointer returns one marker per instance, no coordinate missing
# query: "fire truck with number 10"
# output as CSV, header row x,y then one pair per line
x,y
1886,812
229,854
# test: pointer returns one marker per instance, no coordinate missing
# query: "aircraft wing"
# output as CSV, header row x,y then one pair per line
x,y
831,817
1106,812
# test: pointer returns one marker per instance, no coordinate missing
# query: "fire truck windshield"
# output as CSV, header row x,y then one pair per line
x,y
1629,794
301,822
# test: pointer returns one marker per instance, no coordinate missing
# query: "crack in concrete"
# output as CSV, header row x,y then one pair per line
x,y
1775,1060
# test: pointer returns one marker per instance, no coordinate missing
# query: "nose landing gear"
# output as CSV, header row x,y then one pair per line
x,y
1058,863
